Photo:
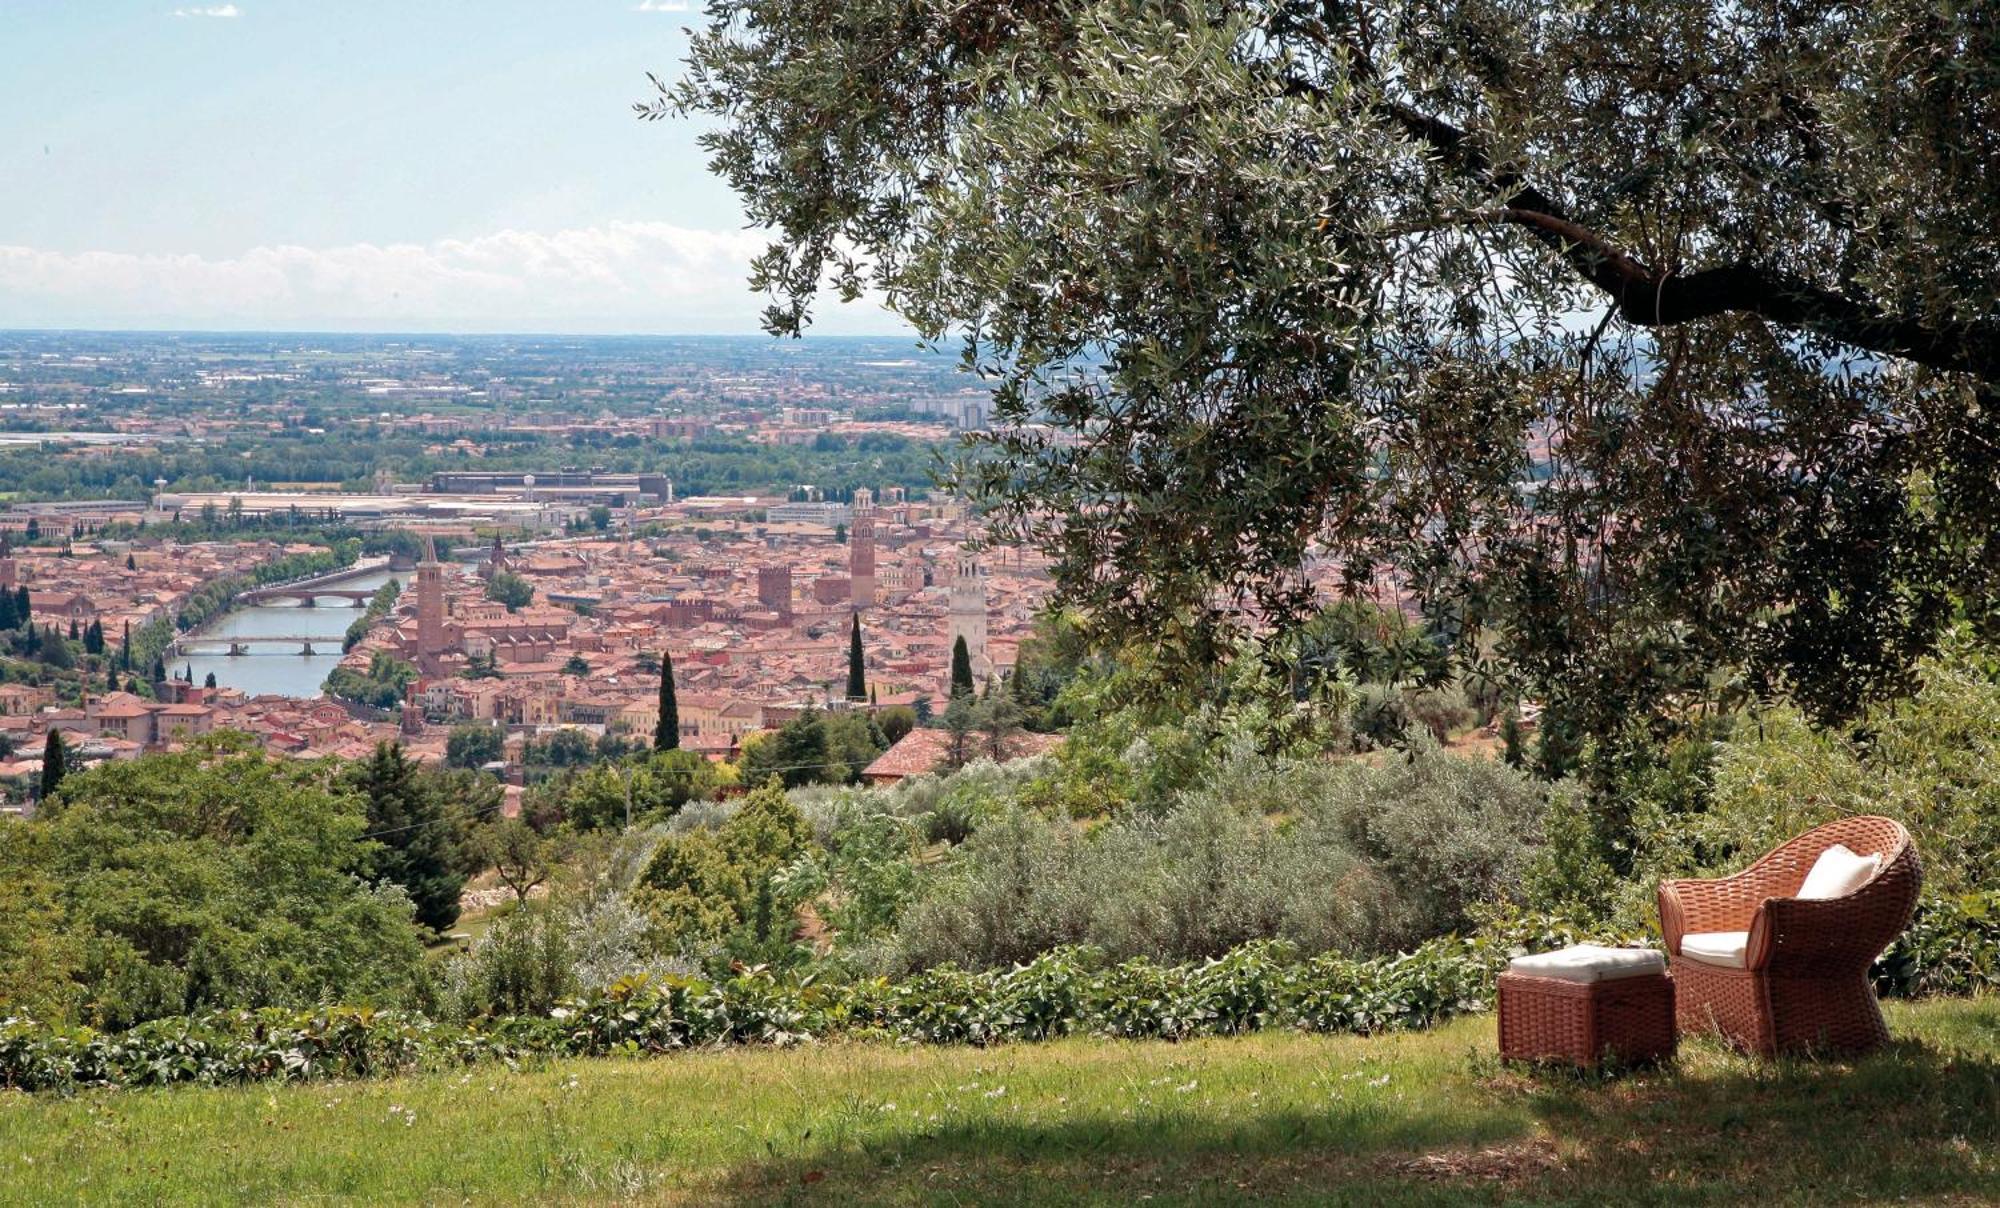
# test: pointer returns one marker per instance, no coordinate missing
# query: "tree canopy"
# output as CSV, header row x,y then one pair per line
x,y
1651,347
207,878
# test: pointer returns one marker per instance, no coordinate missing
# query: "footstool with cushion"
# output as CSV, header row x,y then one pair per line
x,y
1585,1003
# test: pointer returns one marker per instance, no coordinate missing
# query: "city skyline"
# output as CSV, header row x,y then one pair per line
x,y
276,166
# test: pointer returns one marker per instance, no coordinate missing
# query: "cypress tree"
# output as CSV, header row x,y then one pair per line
x,y
210,681
667,731
857,680
24,608
125,649
8,619
961,669
75,634
159,669
93,638
129,564
53,769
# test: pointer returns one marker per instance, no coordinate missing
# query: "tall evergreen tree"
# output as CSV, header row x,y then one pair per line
x,y
667,731
857,678
125,649
24,608
93,638
961,669
75,634
54,764
209,680
406,816
8,618
159,669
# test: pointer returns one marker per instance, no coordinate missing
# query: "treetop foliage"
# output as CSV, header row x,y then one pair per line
x,y
1652,347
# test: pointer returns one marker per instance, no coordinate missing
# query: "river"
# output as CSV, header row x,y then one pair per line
x,y
281,669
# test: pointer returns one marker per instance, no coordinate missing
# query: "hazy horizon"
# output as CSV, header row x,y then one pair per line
x,y
277,165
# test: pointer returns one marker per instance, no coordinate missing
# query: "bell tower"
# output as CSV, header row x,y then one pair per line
x,y
968,611
430,610
861,550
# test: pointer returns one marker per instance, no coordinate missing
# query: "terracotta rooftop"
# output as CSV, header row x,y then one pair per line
x,y
923,751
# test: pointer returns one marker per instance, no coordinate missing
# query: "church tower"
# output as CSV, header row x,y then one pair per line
x,y
430,610
861,550
968,612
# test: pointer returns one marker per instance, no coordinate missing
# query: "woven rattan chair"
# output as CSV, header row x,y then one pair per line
x,y
1804,981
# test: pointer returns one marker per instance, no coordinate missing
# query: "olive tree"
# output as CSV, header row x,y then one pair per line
x,y
1651,347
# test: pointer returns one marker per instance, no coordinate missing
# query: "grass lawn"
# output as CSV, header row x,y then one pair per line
x,y
1416,1119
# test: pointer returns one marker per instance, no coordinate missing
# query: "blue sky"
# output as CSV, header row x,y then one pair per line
x,y
463,165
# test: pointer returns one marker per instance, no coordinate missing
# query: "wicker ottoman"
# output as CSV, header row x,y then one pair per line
x,y
1582,1004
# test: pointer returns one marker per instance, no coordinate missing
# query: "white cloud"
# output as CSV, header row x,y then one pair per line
x,y
622,276
213,10
661,6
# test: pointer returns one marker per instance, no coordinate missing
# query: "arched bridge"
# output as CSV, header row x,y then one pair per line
x,y
242,644
312,587
308,597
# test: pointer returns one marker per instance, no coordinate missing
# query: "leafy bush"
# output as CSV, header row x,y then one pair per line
x,y
535,957
213,877
1951,947
1064,992
705,887
1343,857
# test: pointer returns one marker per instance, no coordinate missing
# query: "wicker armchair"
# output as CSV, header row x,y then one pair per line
x,y
1804,981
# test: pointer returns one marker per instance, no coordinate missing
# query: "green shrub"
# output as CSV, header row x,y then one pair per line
x,y
721,887
1951,947
213,877
1329,857
1064,992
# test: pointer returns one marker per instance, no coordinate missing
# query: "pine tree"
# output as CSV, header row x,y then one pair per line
x,y
54,767
961,669
667,731
857,679
407,817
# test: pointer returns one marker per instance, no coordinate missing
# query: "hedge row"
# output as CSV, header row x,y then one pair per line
x,y
1952,947
1062,993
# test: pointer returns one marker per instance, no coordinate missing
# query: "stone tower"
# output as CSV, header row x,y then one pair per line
x,y
968,612
774,589
861,550
430,610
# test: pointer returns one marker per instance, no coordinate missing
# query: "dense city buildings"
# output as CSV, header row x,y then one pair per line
x,y
559,514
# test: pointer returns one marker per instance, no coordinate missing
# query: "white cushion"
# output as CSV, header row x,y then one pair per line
x,y
1839,872
1589,963
1723,948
